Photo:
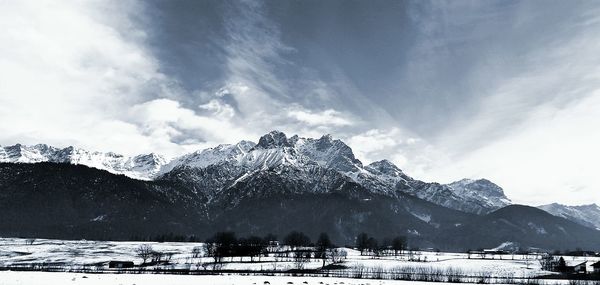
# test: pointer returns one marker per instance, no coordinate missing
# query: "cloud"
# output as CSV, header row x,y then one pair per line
x,y
328,117
218,109
467,94
166,120
554,153
529,122
374,140
410,153
68,71
80,73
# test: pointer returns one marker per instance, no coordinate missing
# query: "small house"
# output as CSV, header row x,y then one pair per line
x,y
580,268
493,251
596,267
576,267
120,264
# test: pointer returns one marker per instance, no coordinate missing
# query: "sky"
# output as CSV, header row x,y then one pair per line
x,y
503,90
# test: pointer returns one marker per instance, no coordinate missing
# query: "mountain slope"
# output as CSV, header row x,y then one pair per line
x,y
73,201
587,215
230,163
524,225
144,166
275,149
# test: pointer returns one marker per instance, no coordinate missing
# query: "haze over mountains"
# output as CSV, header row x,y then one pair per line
x,y
275,185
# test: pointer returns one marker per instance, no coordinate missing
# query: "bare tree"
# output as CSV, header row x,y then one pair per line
x,y
196,252
373,246
323,245
398,244
336,255
362,242
169,256
301,257
296,239
210,248
144,251
222,244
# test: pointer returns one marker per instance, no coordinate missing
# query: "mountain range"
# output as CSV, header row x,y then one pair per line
x,y
274,150
275,185
587,215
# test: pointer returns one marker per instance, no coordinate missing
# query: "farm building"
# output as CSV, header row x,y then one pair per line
x,y
120,264
577,267
596,267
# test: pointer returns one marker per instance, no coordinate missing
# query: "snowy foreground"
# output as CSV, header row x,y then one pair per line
x,y
95,255
44,278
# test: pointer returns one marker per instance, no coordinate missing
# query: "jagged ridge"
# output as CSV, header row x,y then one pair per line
x,y
214,170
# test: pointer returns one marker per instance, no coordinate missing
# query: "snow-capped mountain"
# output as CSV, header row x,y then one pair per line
x,y
307,160
61,200
587,215
481,191
306,156
276,185
144,166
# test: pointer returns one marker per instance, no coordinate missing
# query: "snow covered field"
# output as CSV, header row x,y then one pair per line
x,y
75,255
45,278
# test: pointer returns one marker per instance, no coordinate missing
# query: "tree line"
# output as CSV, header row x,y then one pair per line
x,y
296,246
388,246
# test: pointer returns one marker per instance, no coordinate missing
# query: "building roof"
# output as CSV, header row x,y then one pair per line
x,y
574,263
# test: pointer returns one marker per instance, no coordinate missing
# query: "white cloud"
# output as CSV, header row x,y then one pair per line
x,y
372,141
218,109
324,118
68,73
527,126
166,120
232,89
552,157
414,156
78,73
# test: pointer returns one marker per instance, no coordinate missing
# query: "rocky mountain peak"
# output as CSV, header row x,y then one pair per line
x,y
273,139
478,185
386,167
275,152
586,215
245,146
149,159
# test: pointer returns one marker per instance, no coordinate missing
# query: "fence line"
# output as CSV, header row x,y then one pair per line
x,y
408,274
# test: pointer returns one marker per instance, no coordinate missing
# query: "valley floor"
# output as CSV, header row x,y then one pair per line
x,y
45,278
93,256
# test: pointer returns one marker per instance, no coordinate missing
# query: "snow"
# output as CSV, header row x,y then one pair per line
x,y
538,229
99,218
44,278
75,254
274,152
481,190
143,167
423,217
507,246
587,215
211,156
